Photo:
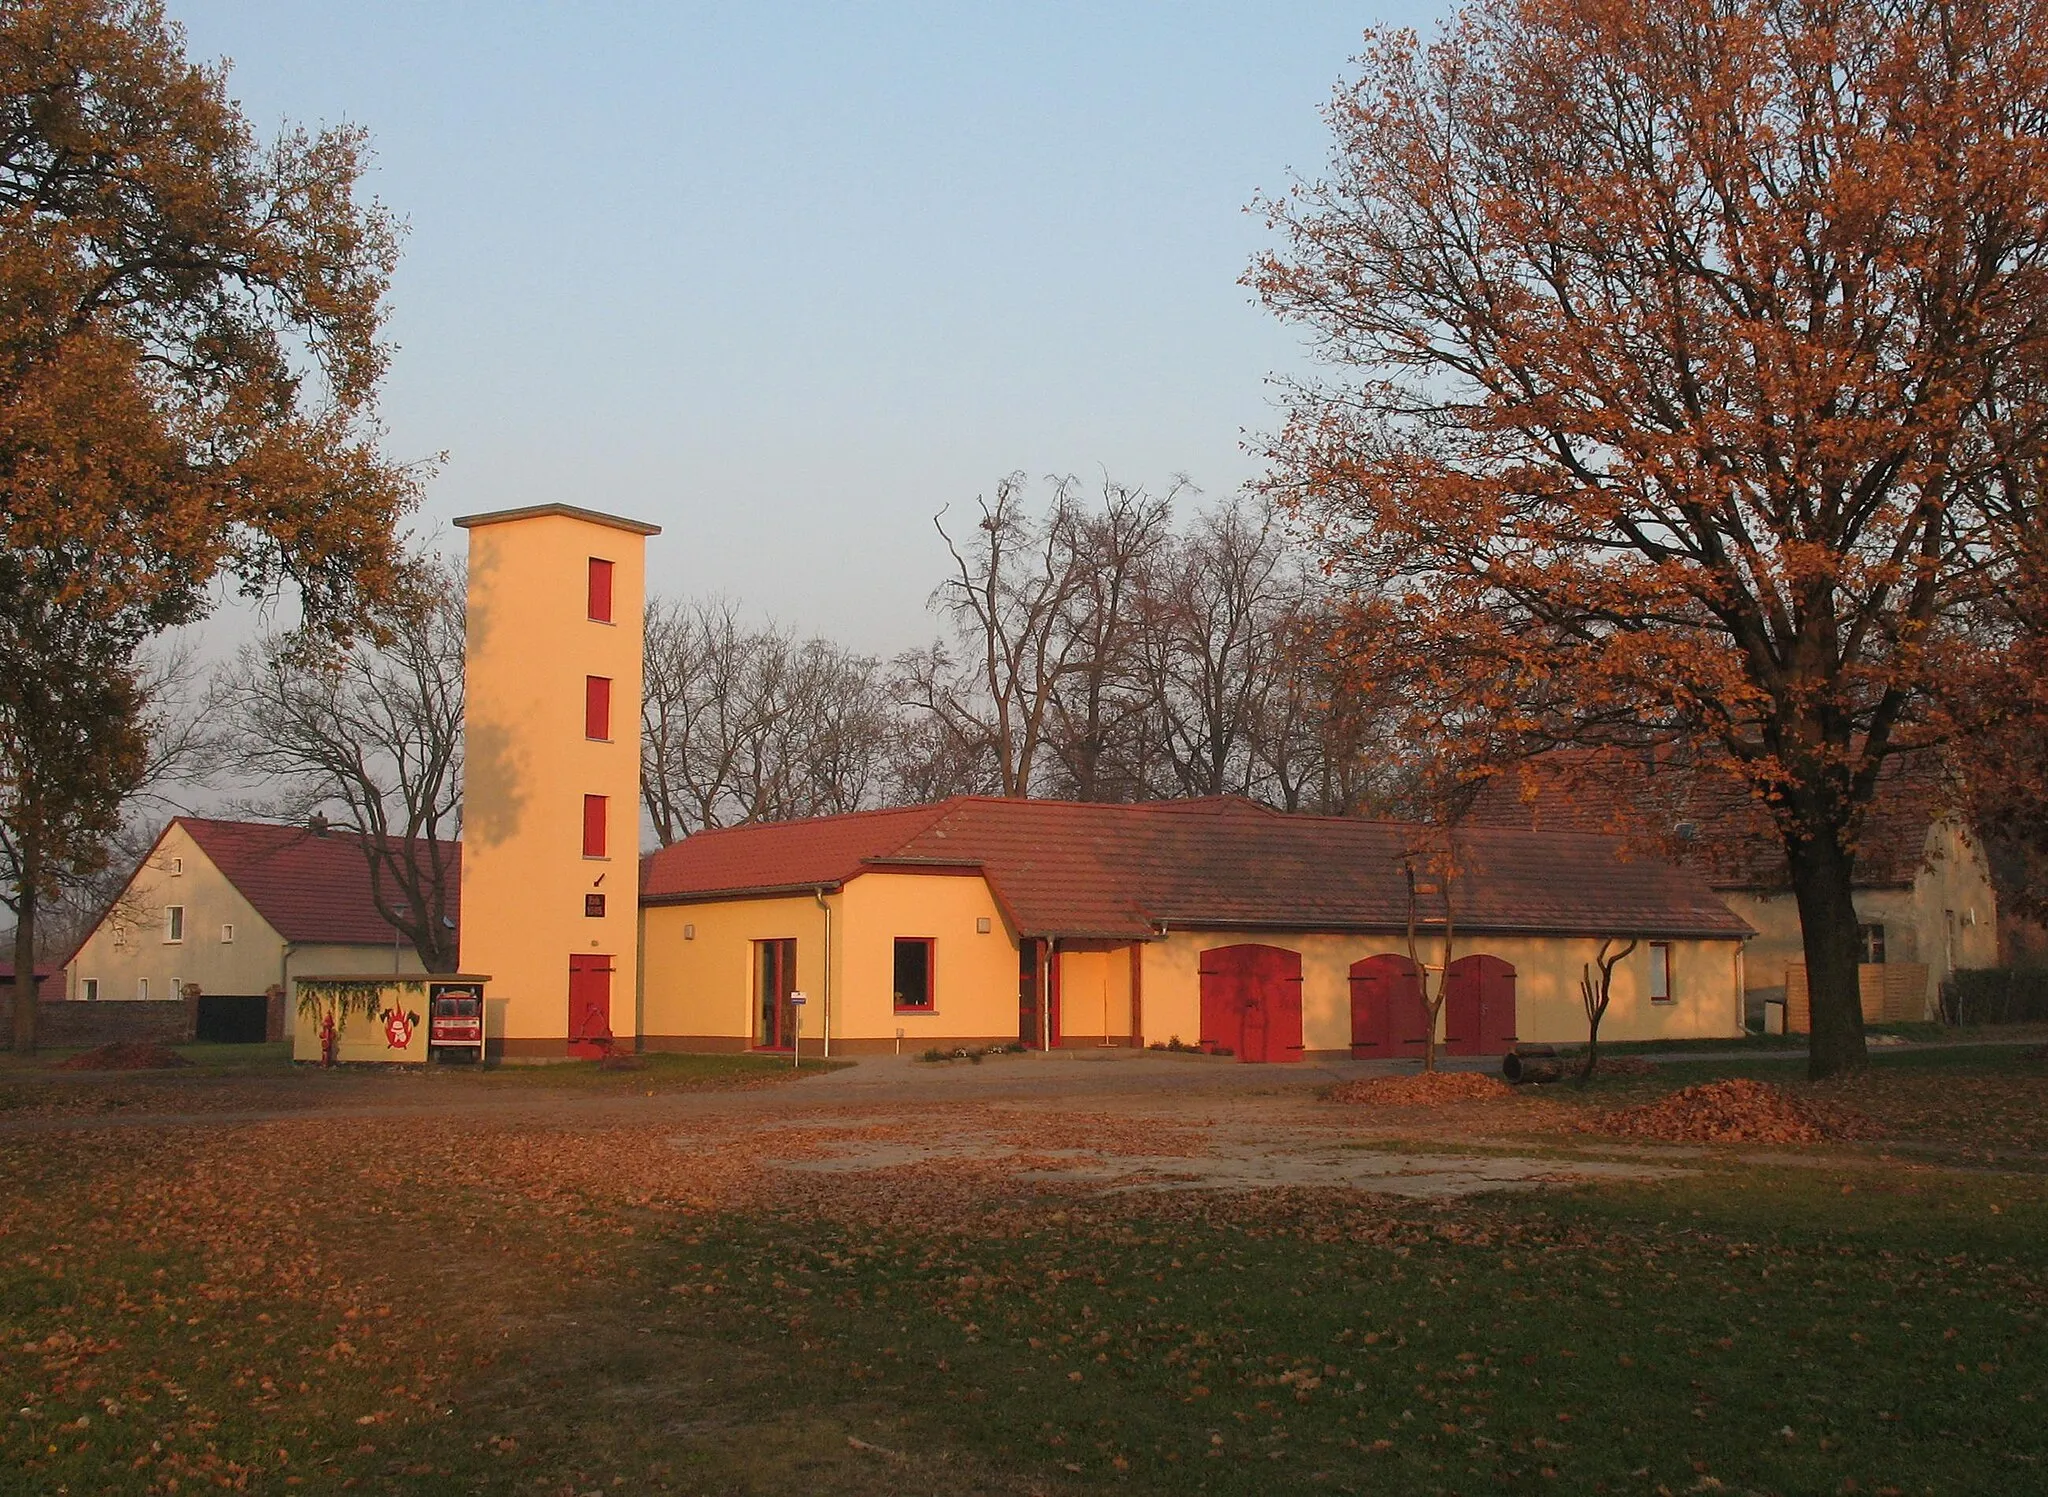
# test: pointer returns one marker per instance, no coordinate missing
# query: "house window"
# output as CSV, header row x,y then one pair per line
x,y
174,922
1660,972
1871,939
593,906
227,935
89,989
597,707
600,590
593,826
142,988
914,991
177,866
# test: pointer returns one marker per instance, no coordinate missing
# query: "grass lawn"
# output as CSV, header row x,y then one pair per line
x,y
458,1304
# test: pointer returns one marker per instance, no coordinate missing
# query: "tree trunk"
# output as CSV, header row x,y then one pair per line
x,y
25,961
1822,880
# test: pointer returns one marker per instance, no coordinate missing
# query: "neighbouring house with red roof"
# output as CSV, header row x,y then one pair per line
x,y
237,908
1924,891
1218,923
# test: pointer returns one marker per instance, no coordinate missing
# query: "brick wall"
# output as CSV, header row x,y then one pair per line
x,y
65,1026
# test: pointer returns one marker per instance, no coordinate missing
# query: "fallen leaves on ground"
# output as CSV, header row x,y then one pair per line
x,y
124,1055
1424,1090
1736,1112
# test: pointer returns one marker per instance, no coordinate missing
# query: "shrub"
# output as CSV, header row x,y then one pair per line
x,y
1995,995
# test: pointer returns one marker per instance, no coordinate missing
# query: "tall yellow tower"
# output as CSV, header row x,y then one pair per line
x,y
551,793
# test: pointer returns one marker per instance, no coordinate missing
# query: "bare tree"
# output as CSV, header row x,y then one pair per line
x,y
1102,698
744,724
369,738
1595,994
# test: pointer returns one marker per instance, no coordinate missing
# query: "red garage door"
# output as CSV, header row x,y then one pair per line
x,y
1388,1016
1251,1002
1479,1006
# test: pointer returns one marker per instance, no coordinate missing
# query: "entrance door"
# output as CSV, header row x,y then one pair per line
x,y
1388,1016
1251,1002
1479,1006
774,981
590,1006
1028,1032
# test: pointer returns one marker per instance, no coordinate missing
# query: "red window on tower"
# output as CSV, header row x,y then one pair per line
x,y
593,826
600,590
597,707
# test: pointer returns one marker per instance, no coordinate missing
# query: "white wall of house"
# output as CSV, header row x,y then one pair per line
x,y
218,941
1946,918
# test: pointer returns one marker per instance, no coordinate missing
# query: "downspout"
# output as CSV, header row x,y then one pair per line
x,y
826,996
284,980
639,977
1052,950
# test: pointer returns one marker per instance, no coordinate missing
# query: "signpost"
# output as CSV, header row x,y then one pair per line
x,y
796,1029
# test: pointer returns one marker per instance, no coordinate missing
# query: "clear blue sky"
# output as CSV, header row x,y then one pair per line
x,y
786,278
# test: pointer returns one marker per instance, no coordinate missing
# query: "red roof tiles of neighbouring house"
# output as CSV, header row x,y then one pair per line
x,y
1702,820
312,888
1073,869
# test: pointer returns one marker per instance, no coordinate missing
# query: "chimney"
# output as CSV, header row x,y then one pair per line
x,y
317,824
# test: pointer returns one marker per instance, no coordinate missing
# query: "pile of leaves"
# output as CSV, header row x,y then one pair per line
x,y
1736,1112
125,1055
1423,1090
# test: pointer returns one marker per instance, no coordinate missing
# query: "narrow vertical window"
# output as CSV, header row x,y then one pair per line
x,y
593,826
1871,939
1660,972
174,922
600,590
142,988
89,989
597,707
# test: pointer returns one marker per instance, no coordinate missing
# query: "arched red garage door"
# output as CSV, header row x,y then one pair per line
x,y
1479,1006
1251,1002
1388,1017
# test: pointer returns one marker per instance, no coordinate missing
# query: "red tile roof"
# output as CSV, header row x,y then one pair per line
x,y
1072,869
312,889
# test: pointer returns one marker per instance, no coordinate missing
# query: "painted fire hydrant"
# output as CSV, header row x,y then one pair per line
x,y
330,1040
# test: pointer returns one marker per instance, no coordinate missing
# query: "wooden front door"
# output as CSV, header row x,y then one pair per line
x,y
1251,1002
774,981
1388,1017
1479,1006
590,1005
1028,1032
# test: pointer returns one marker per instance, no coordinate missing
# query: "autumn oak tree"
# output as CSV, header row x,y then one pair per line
x,y
189,359
1685,382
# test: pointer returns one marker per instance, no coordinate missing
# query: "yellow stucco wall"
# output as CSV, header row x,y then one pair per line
x,y
362,1038
128,945
1947,919
528,765
1548,1009
700,989
1095,994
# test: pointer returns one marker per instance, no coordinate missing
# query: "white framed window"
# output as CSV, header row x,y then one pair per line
x,y
174,922
177,988
89,988
1660,972
177,867
227,935
142,988
1870,937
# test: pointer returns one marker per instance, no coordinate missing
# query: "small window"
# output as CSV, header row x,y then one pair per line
x,y
227,935
600,590
593,906
142,988
914,974
1660,972
174,922
177,866
1871,939
593,826
89,989
597,707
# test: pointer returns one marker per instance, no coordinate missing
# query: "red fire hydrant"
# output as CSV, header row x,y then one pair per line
x,y
330,1040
